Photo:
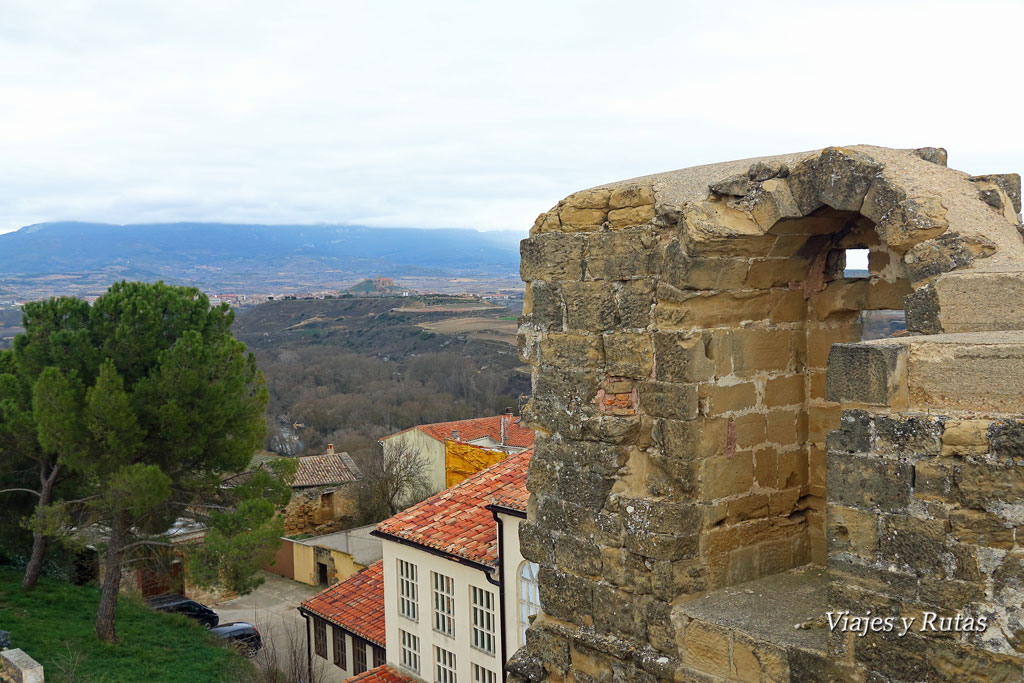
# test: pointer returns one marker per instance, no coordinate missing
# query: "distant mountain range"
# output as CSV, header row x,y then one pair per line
x,y
222,254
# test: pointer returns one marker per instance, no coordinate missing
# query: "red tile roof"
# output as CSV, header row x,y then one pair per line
x,y
355,604
514,496
380,674
516,434
324,470
456,520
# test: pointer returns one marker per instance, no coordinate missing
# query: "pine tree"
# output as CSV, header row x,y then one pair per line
x,y
149,404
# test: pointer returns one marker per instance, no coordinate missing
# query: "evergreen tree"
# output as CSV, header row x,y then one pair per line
x,y
149,404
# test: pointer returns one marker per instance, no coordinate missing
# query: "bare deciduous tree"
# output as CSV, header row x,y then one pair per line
x,y
393,479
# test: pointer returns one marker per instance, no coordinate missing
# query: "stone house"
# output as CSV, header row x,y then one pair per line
x,y
724,468
320,499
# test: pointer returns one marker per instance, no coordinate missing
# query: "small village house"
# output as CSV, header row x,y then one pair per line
x,y
455,595
502,433
327,559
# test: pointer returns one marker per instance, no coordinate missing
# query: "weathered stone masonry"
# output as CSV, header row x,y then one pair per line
x,y
707,416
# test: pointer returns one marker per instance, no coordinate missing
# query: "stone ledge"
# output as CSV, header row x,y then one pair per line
x,y
768,608
980,372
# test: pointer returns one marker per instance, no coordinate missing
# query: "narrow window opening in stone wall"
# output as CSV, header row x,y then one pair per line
x,y
856,263
882,324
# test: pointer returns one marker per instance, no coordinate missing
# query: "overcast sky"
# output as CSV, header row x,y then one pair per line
x,y
468,114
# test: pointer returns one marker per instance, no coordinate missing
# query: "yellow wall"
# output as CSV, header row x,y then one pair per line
x,y
344,565
463,459
304,565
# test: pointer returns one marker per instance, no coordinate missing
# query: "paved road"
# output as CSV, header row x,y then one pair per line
x,y
272,608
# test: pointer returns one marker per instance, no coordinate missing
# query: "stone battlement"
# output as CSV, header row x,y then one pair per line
x,y
709,417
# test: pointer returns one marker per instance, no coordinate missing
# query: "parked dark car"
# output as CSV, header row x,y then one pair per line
x,y
244,635
182,605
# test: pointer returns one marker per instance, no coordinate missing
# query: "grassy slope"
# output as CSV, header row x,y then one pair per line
x,y
55,621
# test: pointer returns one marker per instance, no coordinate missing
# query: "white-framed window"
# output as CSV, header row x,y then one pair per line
x,y
444,603
529,597
408,590
482,675
444,666
410,651
482,608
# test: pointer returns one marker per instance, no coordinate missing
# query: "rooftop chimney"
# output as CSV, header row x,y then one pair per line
x,y
508,411
330,449
455,434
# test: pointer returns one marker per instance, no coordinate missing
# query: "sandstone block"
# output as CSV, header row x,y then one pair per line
x,y
707,648
980,528
1009,183
621,255
756,661
910,542
784,391
781,427
912,221
757,350
542,306
750,430
669,399
902,435
792,469
980,482
820,421
1007,438
868,482
578,556
820,339
629,355
722,476
570,351
574,219
719,400
844,177
546,222
853,434
862,373
766,468
630,217
701,272
881,198
853,531
681,358
634,300
625,196
564,596
596,198
551,256
776,272
935,481
589,306
714,310
944,253
695,440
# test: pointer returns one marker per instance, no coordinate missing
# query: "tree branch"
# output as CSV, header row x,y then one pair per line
x,y
38,495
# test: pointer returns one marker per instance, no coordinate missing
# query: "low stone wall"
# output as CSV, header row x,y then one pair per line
x,y
17,667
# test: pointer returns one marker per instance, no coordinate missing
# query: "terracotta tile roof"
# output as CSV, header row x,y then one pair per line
x,y
355,604
516,434
456,521
324,470
514,496
380,674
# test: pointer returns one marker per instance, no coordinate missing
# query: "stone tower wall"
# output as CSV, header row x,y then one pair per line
x,y
679,328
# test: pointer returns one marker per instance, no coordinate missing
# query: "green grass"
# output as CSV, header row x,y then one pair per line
x,y
53,623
